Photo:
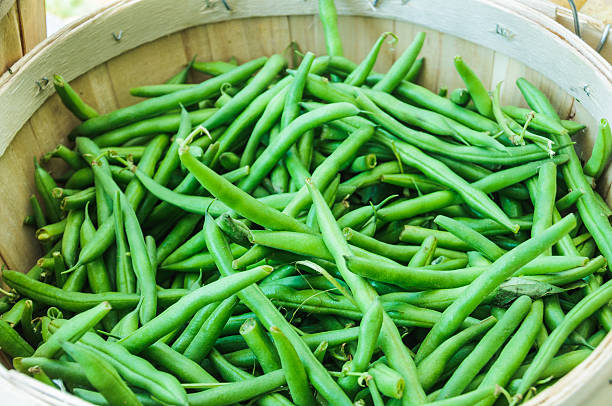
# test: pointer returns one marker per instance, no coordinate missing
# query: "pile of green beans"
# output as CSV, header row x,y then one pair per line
x,y
324,234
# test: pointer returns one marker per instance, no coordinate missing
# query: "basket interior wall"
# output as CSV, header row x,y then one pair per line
x,y
106,87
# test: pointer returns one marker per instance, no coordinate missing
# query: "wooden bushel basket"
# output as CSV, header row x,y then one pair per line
x,y
138,42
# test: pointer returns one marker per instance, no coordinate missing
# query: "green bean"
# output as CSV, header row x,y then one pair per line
x,y
437,200
560,365
260,345
167,165
72,330
478,93
268,314
194,325
159,90
601,151
172,361
437,170
604,315
505,266
204,340
181,231
293,369
70,238
134,191
140,261
536,100
256,108
536,121
401,66
571,275
432,121
162,124
72,100
12,343
369,331
431,367
488,227
97,274
238,391
78,200
364,295
424,255
193,245
125,279
271,68
160,104
471,237
572,172
425,98
568,200
389,382
583,309
84,177
329,19
69,372
203,261
358,76
78,301
187,306
485,349
214,68
69,156
397,252
98,399
45,184
102,375
268,118
262,165
14,315
460,97
412,277
181,76
238,200
416,235
413,181
232,373
553,315
476,397
27,328
136,370
126,325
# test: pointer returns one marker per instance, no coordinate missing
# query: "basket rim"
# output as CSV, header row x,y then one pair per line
x,y
18,87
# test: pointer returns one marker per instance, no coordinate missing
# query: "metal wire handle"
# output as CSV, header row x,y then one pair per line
x,y
576,17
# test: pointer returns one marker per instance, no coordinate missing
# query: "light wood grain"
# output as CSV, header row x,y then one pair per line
x,y
10,38
33,22
5,6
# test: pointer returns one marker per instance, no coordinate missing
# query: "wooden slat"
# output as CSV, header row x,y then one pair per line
x,y
357,43
51,124
197,44
96,88
10,39
307,32
18,246
5,6
33,21
150,63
